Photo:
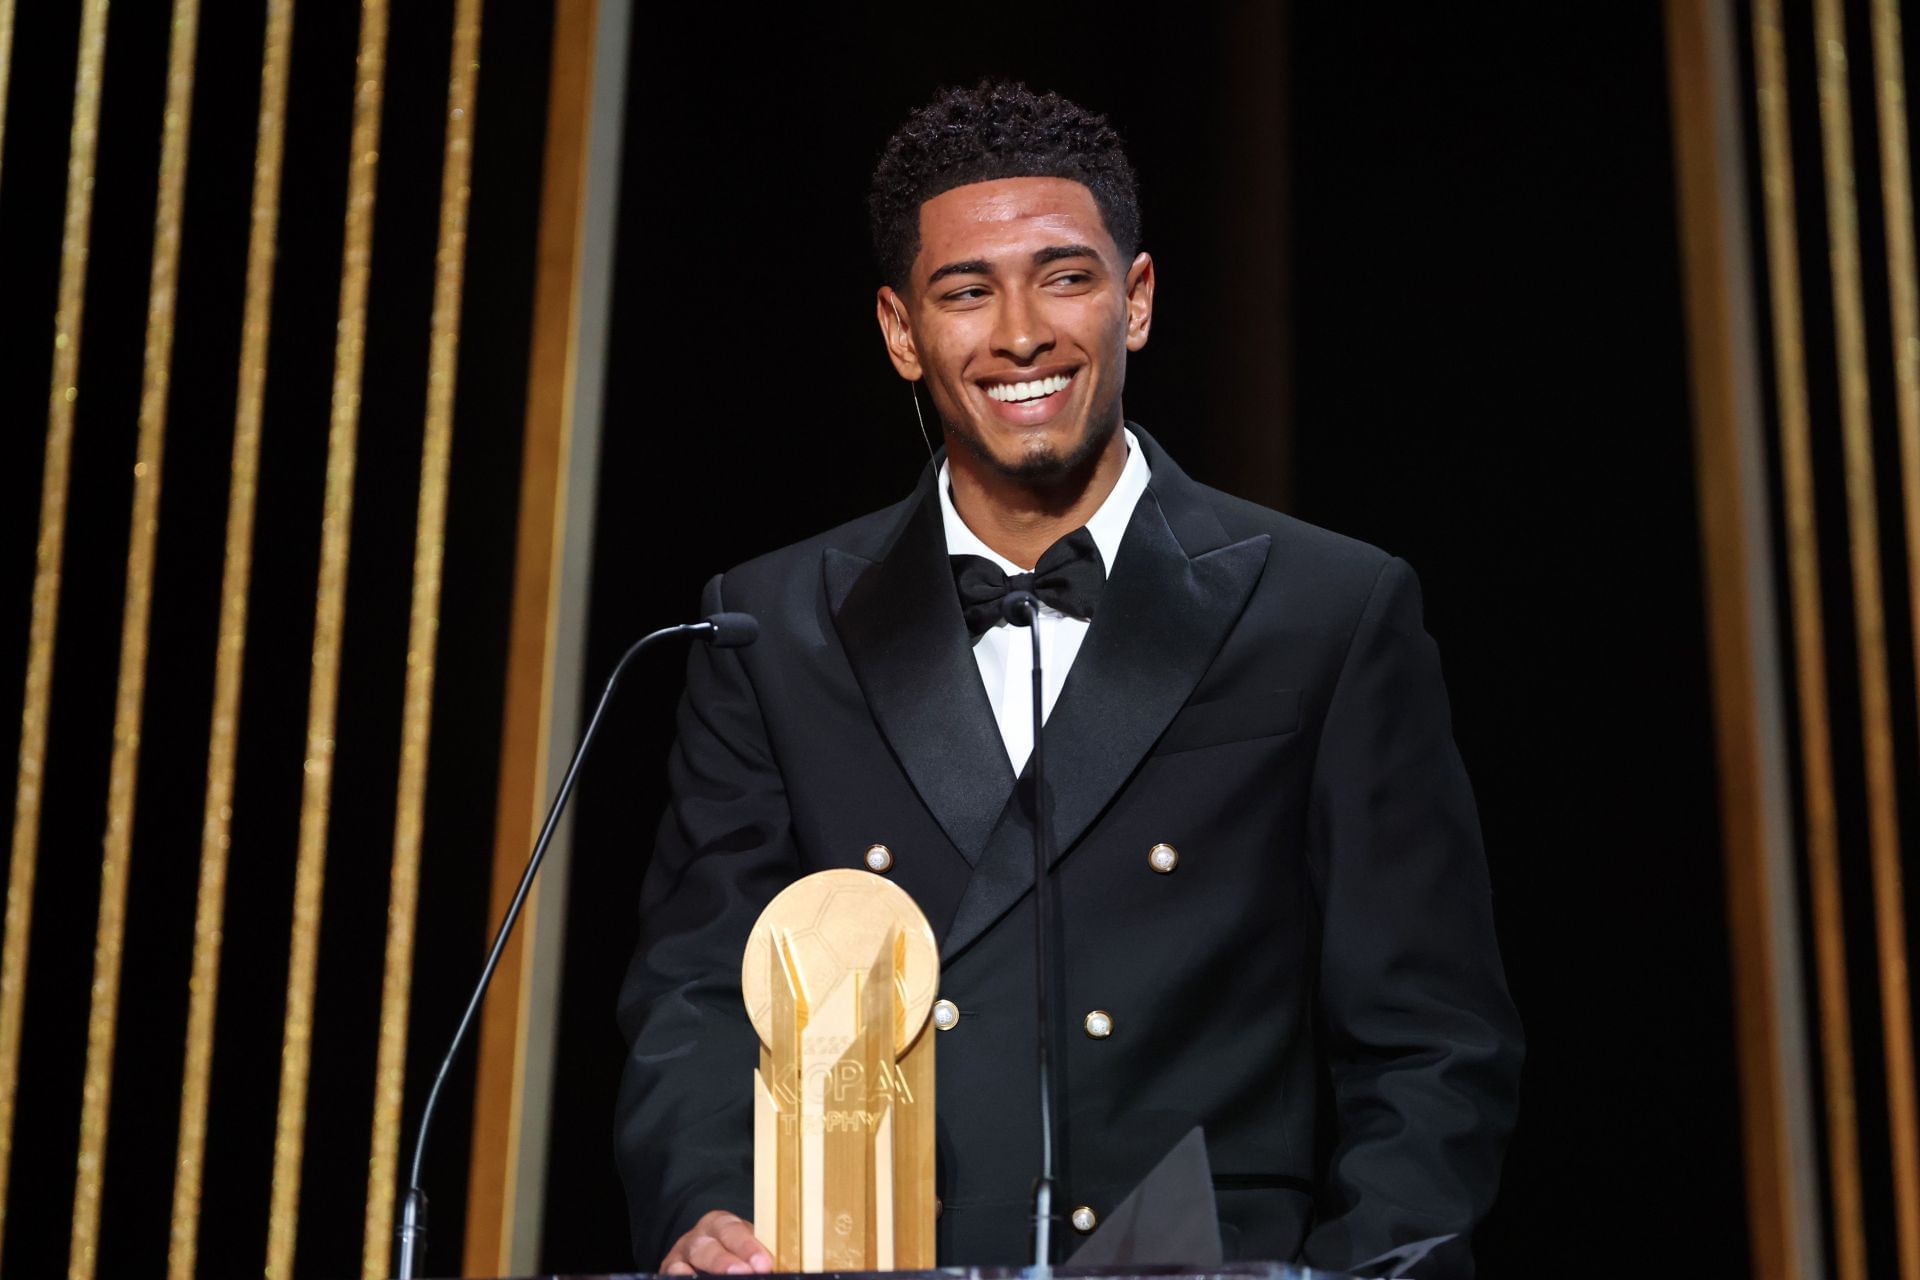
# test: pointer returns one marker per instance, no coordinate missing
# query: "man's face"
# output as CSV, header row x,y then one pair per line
x,y
1019,315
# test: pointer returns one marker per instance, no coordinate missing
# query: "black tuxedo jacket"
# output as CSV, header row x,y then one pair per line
x,y
1316,983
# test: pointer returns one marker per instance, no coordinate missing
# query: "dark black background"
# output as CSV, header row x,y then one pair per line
x,y
1479,271
1418,282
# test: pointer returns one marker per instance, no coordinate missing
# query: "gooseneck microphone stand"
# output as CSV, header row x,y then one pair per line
x,y
725,631
1022,609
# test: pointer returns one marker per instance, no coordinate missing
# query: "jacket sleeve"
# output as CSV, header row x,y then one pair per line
x,y
1423,1044
684,1120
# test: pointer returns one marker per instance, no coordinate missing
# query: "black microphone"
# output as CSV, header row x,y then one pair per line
x,y
723,631
1022,609
728,630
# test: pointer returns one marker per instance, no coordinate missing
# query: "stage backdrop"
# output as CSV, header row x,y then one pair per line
x,y
343,455
267,284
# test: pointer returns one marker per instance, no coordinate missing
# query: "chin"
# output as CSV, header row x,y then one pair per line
x,y
1036,466
1039,456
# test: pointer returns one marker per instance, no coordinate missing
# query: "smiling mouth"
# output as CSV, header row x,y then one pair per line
x,y
1022,392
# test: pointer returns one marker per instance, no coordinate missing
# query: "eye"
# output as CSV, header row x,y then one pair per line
x,y
968,294
1073,277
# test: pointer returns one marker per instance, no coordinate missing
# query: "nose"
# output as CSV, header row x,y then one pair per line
x,y
1021,332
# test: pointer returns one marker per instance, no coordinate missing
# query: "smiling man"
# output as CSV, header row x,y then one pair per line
x,y
1271,894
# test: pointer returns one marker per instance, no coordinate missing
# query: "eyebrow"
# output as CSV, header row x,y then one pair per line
x,y
1053,253
971,267
1041,257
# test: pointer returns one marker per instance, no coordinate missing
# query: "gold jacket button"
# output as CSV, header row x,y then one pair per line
x,y
946,1014
1099,1025
1163,858
879,857
1085,1219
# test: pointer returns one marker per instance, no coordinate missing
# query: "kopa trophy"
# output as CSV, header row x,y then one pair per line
x,y
838,978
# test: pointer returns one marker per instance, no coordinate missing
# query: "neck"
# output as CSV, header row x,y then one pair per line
x,y
1021,519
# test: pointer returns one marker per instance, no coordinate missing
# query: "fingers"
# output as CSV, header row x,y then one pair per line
x,y
737,1235
721,1243
708,1254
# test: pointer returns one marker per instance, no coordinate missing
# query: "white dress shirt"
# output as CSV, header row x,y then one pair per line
x,y
1005,652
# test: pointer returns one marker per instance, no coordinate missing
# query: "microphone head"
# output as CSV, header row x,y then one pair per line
x,y
1021,608
733,630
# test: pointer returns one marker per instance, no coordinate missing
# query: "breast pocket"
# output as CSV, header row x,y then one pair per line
x,y
1209,724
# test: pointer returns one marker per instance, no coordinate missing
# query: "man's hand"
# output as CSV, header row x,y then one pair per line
x,y
721,1243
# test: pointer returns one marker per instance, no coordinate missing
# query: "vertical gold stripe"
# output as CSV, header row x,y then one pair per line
x,y
422,636
526,718
130,691
1876,713
46,574
1803,573
6,64
1896,189
217,818
329,610
1731,477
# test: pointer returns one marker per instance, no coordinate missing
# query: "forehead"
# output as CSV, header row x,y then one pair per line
x,y
1008,216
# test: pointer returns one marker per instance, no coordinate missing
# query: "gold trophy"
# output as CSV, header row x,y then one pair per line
x,y
838,979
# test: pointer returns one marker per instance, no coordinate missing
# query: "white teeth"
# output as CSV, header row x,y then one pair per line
x,y
1016,392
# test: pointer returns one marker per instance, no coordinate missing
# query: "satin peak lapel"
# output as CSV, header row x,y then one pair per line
x,y
900,623
1162,618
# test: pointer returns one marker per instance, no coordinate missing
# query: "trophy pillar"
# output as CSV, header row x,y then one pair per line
x,y
839,976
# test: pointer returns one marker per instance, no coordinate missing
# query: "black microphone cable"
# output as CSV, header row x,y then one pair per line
x,y
1022,608
723,630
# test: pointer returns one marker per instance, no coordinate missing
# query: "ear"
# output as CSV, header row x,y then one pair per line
x,y
891,311
1139,301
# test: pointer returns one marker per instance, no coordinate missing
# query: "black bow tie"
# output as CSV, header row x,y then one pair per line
x,y
1069,578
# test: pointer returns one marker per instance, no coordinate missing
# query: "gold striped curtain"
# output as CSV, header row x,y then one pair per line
x,y
1794,145
268,275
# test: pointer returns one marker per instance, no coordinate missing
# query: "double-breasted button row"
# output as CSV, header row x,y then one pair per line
x,y
1098,1023
1162,857
946,1016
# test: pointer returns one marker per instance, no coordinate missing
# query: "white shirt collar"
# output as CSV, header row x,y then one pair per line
x,y
1108,525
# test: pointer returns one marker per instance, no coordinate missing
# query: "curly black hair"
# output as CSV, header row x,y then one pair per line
x,y
997,129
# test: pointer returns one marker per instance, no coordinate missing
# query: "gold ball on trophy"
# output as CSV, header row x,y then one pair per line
x,y
833,923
